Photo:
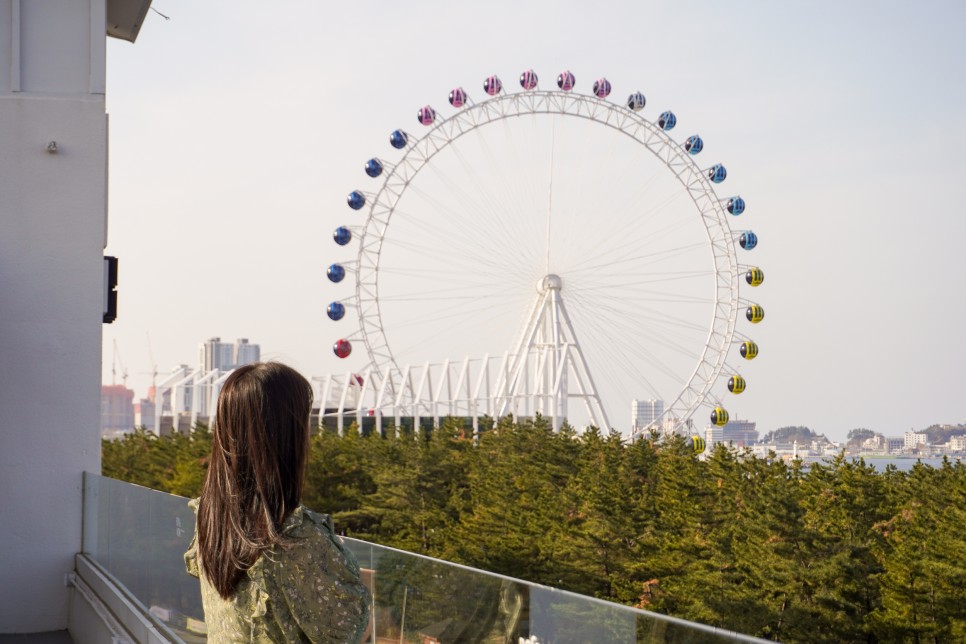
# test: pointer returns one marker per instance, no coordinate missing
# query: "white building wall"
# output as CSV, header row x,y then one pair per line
x,y
645,412
52,235
913,439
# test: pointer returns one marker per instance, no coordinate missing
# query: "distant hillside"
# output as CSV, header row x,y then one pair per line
x,y
939,434
792,434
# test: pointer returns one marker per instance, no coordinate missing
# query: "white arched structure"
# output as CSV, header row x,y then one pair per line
x,y
547,363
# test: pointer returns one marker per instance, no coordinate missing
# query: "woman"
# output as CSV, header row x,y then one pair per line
x,y
271,570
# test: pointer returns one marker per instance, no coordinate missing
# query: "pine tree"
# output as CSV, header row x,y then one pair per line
x,y
339,478
924,557
418,482
517,479
844,501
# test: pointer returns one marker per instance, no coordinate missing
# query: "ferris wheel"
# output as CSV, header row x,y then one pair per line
x,y
564,231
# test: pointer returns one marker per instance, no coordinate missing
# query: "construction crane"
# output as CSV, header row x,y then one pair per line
x,y
154,370
115,361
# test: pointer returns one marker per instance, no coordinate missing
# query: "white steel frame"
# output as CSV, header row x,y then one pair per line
x,y
420,151
203,387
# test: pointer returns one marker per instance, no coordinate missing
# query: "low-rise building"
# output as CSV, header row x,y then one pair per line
x,y
957,444
912,440
738,433
894,444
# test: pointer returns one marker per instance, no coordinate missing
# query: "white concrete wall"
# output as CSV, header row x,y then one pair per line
x,y
52,233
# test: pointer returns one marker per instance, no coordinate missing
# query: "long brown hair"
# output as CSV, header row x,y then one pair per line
x,y
254,481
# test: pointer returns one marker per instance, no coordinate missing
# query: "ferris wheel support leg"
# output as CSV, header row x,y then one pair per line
x,y
582,372
544,395
559,385
555,347
520,354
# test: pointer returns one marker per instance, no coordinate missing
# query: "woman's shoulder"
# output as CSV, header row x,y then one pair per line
x,y
317,518
311,541
304,522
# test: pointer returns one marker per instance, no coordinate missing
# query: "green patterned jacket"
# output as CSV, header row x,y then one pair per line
x,y
310,592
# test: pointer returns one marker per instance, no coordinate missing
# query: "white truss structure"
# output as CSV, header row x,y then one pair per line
x,y
546,359
470,388
187,393
547,367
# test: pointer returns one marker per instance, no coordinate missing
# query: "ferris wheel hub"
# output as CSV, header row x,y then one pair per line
x,y
550,282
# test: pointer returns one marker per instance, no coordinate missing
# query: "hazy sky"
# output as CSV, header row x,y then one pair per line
x,y
237,128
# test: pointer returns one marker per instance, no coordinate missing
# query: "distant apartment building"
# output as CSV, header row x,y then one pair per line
x,y
117,408
739,433
224,356
912,440
645,413
246,352
144,413
215,354
957,444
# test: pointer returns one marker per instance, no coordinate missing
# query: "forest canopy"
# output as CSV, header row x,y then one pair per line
x,y
832,552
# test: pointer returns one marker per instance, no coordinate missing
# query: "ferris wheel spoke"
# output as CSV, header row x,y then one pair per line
x,y
467,210
629,361
674,324
611,281
643,333
469,214
452,252
468,307
656,297
642,362
482,318
629,321
642,235
619,283
648,258
444,314
444,294
468,233
623,252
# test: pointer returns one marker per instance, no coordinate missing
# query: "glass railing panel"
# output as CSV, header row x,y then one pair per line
x,y
139,536
418,599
